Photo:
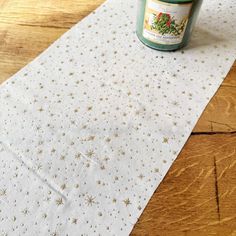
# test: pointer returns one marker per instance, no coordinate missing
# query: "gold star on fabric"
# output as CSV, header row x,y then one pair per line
x,y
77,156
99,213
90,200
63,186
3,192
59,201
25,211
91,138
74,221
175,103
40,151
90,153
39,167
108,140
165,140
102,167
127,202
141,176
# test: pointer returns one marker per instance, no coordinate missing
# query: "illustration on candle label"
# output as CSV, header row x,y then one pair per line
x,y
165,23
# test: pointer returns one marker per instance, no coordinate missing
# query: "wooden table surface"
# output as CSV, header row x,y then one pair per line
x,y
198,195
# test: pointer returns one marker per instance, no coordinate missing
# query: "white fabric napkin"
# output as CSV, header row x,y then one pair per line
x,y
89,129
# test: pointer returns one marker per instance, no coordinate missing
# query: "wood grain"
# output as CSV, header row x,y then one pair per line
x,y
28,27
197,196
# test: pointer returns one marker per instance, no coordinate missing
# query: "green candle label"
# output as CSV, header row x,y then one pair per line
x,y
165,23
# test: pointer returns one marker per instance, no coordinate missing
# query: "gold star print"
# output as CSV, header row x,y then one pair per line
x,y
44,215
102,167
84,126
77,156
48,199
62,158
90,108
40,151
106,159
59,201
99,213
165,140
74,221
114,200
15,175
127,202
40,109
87,165
156,170
63,186
25,211
39,167
90,153
141,176
108,140
3,192
90,200
91,138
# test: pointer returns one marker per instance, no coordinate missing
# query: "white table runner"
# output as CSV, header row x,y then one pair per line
x,y
89,129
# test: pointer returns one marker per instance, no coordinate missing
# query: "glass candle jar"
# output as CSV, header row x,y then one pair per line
x,y
166,24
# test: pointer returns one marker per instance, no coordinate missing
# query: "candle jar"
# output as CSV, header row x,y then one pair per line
x,y
166,24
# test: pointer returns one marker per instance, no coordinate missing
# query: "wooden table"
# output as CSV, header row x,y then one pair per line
x,y
198,195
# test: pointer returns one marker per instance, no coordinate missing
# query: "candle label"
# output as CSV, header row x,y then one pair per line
x,y
165,23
